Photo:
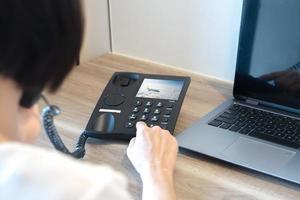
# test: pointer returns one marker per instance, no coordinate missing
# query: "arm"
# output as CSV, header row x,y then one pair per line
x,y
153,153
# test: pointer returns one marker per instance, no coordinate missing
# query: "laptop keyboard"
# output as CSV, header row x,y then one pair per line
x,y
260,124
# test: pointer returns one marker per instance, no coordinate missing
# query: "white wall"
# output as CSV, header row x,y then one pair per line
x,y
96,41
199,35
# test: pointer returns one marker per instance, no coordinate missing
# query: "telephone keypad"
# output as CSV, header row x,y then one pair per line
x,y
158,116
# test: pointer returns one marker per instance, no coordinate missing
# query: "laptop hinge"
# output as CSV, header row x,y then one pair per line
x,y
252,102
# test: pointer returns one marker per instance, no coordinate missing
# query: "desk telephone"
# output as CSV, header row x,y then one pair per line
x,y
127,99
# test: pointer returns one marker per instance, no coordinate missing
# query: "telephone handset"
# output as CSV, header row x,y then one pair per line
x,y
28,99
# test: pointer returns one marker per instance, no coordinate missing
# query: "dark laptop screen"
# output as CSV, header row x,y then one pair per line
x,y
268,64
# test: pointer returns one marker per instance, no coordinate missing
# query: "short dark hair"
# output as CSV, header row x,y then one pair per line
x,y
40,41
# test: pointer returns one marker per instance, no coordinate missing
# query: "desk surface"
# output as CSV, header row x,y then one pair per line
x,y
196,176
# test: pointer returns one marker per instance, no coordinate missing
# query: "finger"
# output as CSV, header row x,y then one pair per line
x,y
164,142
140,129
130,146
156,129
272,76
131,143
156,134
166,132
140,125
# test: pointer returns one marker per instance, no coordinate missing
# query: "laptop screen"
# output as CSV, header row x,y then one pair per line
x,y
268,63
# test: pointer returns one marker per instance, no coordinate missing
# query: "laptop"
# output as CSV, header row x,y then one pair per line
x,y
259,128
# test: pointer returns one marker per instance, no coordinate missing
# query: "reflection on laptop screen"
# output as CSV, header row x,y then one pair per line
x,y
268,65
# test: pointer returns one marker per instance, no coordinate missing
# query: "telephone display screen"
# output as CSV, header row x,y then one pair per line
x,y
160,89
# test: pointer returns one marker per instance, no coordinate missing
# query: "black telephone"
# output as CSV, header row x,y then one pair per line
x,y
127,98
130,97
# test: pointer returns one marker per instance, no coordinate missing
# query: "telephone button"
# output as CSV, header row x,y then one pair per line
x,y
135,110
165,120
138,103
164,126
157,111
132,117
147,111
148,104
170,105
159,105
129,125
168,112
152,125
144,118
154,119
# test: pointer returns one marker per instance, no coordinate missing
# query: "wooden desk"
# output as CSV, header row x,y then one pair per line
x,y
197,177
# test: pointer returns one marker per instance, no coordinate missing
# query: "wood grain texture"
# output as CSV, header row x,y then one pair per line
x,y
196,176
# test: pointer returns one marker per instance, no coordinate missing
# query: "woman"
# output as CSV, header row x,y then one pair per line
x,y
39,43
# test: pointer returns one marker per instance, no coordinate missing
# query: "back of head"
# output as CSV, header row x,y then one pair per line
x,y
40,41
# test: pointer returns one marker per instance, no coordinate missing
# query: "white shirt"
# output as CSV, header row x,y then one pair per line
x,y
28,172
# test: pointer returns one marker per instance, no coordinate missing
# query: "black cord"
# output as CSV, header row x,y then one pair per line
x,y
48,114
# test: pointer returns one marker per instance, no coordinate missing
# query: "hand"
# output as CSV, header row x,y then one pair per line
x,y
153,149
28,123
153,153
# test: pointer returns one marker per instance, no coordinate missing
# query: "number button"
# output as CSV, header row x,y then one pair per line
x,y
138,103
129,125
157,111
154,119
144,118
159,105
135,110
148,104
132,117
146,110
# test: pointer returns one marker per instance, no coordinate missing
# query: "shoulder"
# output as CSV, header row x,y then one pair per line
x,y
30,167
